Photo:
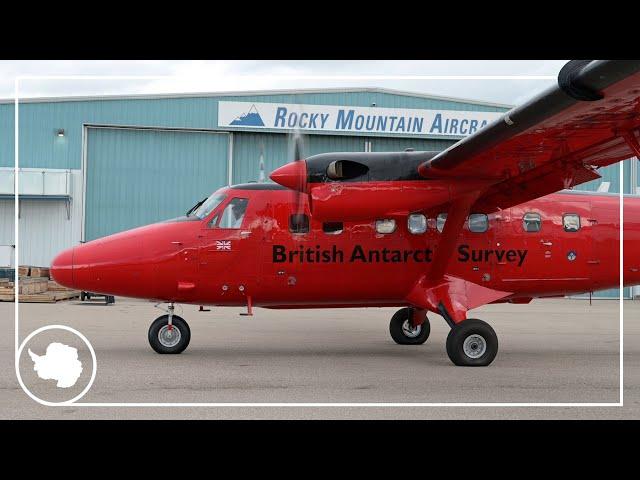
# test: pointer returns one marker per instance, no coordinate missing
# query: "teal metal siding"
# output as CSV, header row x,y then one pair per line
x,y
7,133
137,177
246,155
39,121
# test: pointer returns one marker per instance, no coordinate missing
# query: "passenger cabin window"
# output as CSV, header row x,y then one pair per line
x,y
440,221
234,213
478,223
571,222
332,228
531,222
298,223
417,223
388,225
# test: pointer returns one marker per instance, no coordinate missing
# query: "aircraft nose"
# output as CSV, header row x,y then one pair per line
x,y
62,268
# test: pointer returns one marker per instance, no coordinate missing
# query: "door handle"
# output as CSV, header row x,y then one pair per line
x,y
546,243
245,233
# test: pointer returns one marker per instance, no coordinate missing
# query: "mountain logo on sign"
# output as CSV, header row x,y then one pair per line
x,y
249,119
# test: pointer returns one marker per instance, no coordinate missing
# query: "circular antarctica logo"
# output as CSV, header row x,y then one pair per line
x,y
571,256
56,365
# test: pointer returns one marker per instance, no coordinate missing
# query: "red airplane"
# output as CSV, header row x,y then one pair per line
x,y
491,219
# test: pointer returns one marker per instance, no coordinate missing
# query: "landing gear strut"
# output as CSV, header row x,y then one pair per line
x,y
169,333
472,343
404,332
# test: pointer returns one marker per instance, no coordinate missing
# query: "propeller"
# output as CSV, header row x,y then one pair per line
x,y
293,175
298,157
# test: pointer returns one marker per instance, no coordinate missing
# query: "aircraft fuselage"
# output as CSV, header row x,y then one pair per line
x,y
187,261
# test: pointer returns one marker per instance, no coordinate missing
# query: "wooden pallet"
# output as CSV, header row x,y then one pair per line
x,y
26,286
36,290
49,297
36,272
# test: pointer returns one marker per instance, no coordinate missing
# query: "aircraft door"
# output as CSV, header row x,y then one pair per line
x,y
575,253
288,232
228,249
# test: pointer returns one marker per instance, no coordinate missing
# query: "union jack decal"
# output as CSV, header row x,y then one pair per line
x,y
223,245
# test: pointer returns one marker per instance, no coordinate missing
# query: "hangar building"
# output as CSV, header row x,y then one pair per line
x,y
92,166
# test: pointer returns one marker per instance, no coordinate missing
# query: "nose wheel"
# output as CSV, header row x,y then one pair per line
x,y
404,332
472,343
169,337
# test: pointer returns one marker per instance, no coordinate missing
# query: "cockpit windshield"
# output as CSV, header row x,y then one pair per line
x,y
209,205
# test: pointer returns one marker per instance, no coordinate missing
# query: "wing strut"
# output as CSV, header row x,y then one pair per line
x,y
458,212
445,294
632,141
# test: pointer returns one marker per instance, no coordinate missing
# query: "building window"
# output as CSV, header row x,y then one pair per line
x,y
387,225
440,221
417,223
298,223
234,213
332,228
571,222
478,223
531,222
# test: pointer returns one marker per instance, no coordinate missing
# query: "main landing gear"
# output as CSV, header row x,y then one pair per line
x,y
470,343
169,333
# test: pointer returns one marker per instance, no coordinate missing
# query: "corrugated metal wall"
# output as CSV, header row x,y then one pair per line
x,y
136,177
246,154
45,229
39,121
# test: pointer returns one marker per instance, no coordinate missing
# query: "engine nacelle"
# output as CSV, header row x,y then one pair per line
x,y
374,200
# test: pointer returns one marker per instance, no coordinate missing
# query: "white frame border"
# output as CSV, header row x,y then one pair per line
x,y
620,403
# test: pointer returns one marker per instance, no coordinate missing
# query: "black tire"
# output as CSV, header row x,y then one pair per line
x,y
82,296
465,330
399,335
178,324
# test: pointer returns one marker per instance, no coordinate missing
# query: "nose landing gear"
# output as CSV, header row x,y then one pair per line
x,y
169,333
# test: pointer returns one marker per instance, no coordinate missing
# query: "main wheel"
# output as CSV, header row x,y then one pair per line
x,y
169,340
403,333
472,343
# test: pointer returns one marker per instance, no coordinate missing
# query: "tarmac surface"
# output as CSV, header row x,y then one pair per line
x,y
550,351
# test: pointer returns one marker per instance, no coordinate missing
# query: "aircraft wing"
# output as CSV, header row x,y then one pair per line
x,y
557,140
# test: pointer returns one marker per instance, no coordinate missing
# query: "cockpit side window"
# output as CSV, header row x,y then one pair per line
x,y
209,205
233,213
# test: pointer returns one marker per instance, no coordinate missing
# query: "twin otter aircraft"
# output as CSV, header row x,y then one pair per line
x,y
491,219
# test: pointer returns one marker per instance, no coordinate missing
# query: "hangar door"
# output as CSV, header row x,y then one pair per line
x,y
140,176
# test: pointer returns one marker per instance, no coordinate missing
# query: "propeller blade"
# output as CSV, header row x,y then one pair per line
x,y
300,178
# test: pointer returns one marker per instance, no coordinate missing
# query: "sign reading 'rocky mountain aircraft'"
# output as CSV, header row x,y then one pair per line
x,y
331,118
